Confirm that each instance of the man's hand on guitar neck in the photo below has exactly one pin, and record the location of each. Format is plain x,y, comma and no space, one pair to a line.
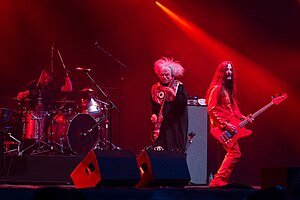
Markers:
249,118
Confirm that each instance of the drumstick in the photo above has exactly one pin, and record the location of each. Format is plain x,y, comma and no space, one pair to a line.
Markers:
37,84
62,63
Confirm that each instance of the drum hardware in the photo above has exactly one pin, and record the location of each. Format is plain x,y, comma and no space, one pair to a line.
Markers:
7,131
8,123
18,144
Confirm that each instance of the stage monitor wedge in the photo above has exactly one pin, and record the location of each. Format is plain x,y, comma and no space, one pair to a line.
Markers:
162,168
109,168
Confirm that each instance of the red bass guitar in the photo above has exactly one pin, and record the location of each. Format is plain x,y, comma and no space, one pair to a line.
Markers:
229,138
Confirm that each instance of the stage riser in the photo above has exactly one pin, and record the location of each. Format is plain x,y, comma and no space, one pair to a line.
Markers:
39,169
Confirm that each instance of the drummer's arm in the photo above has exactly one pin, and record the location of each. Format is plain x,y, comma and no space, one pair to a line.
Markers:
23,94
67,87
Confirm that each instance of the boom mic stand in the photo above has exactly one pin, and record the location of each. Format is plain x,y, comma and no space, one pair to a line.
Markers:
122,67
111,106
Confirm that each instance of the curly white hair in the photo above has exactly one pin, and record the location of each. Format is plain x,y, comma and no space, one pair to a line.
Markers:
175,67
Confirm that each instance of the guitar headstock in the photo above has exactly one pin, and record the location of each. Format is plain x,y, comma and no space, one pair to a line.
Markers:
279,98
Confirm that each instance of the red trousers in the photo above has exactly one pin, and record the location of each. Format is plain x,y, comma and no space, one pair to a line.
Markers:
229,162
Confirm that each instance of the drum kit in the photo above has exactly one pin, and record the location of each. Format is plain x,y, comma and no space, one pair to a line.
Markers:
72,127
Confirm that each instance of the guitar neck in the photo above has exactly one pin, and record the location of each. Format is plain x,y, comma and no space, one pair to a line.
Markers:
160,114
254,115
262,110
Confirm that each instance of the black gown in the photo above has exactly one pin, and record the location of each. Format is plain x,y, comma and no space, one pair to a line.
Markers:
174,127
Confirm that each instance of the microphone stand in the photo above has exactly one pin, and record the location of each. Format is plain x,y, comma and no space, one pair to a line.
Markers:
122,66
109,54
111,106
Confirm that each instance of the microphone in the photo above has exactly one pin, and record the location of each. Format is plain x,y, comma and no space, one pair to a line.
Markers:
83,69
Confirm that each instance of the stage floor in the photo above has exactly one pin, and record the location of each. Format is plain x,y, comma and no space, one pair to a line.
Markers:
65,192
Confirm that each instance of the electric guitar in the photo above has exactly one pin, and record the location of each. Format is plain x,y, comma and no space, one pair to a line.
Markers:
155,133
229,138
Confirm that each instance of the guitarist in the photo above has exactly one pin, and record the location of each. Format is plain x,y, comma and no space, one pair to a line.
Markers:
222,107
169,107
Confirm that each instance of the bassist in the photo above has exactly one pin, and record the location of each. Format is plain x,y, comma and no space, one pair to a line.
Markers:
222,108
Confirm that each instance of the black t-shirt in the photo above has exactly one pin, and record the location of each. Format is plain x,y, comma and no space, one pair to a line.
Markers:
47,95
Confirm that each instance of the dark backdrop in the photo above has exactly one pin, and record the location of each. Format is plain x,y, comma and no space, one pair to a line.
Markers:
264,34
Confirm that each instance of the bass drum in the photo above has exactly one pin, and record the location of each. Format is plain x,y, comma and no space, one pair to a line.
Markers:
75,133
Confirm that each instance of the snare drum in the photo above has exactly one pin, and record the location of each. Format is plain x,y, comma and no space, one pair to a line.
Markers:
77,132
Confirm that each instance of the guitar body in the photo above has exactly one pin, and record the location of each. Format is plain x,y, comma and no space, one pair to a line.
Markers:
228,139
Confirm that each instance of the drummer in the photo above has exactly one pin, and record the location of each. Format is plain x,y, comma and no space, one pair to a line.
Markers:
40,91
39,95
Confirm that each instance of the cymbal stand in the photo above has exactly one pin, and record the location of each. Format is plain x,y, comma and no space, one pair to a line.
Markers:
52,146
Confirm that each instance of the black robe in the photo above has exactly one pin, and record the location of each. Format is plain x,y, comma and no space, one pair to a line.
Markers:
174,127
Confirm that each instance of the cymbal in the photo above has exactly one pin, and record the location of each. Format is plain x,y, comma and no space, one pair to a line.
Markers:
22,99
16,99
65,101
87,90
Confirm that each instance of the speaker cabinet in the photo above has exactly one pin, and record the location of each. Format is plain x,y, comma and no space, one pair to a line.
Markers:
162,169
106,168
197,144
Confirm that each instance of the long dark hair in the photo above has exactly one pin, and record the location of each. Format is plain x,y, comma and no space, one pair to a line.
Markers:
219,78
